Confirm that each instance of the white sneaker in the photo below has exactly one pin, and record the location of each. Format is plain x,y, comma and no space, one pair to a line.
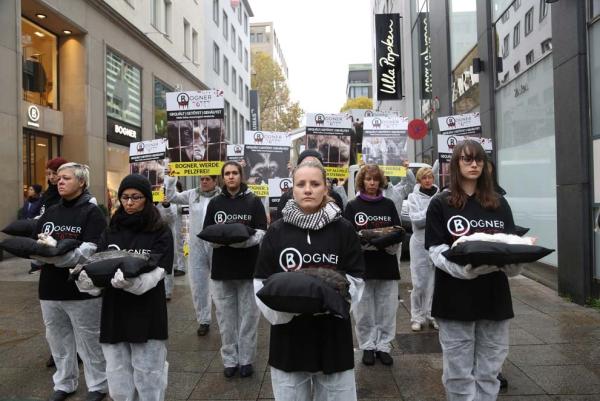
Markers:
416,326
433,324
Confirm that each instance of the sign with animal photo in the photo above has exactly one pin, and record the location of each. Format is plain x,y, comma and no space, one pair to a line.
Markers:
330,135
385,141
147,158
196,132
461,124
267,155
235,153
277,187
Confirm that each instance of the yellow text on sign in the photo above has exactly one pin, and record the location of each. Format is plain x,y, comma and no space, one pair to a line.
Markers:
180,169
259,190
158,195
394,171
337,172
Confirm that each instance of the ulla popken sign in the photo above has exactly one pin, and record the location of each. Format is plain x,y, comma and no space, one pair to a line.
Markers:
387,42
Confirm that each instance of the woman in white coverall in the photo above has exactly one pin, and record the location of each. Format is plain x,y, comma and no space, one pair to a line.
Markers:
200,251
421,268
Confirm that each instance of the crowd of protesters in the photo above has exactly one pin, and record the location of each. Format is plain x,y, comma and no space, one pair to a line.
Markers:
120,332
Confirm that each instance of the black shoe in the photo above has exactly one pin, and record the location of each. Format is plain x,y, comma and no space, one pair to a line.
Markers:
385,358
95,396
502,380
60,395
178,273
368,357
230,371
34,268
246,370
50,362
203,330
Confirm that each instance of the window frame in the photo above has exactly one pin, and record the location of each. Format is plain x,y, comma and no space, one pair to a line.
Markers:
528,18
216,13
225,28
225,70
216,58
516,34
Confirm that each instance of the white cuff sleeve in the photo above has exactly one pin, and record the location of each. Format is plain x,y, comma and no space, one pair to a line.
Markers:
274,317
145,282
453,269
357,286
512,270
256,239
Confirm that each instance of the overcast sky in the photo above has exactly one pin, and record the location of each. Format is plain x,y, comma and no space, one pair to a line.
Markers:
319,38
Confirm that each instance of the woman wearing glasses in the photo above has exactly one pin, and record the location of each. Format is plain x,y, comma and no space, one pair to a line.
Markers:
133,326
472,306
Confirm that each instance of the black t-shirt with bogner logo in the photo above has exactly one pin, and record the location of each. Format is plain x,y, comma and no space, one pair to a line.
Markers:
311,343
127,317
485,297
229,263
362,214
76,219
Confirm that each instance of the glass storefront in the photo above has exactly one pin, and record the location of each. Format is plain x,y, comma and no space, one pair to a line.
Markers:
40,54
160,108
117,168
123,90
525,137
38,148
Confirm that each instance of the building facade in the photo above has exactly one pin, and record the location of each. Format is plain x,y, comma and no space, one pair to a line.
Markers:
83,79
360,81
263,38
530,68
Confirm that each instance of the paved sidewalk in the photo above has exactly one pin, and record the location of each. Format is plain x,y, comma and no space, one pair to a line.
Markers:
554,354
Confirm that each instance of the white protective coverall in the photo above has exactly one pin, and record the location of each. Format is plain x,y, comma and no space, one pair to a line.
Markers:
169,215
199,259
421,268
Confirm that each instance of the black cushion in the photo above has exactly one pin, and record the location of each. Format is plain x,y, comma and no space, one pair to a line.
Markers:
102,266
21,228
521,231
226,234
382,237
26,247
477,253
295,292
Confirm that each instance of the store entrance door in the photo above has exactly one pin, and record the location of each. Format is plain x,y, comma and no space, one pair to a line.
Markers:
38,148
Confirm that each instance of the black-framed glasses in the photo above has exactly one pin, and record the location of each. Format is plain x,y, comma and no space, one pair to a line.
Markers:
469,159
133,198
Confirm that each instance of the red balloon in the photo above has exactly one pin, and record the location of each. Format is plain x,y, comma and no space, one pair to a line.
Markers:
417,129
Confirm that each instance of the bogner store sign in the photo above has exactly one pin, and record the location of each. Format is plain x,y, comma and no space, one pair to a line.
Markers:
122,133
389,66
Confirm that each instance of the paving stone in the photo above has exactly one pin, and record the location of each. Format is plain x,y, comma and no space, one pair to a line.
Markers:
518,382
216,386
569,379
545,354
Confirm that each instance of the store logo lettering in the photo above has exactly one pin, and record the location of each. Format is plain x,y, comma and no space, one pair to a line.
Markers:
125,131
49,228
221,217
183,100
361,218
290,259
459,226
135,251
285,184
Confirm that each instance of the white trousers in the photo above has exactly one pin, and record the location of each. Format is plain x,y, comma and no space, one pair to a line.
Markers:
307,386
169,283
422,275
237,315
71,327
375,315
137,371
473,354
199,277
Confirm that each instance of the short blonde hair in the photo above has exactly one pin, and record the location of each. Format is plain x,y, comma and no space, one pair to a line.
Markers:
80,171
423,172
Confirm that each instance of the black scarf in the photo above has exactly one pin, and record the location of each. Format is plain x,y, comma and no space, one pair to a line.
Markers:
122,220
429,192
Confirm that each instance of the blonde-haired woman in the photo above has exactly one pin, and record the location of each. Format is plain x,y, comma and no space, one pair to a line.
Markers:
421,267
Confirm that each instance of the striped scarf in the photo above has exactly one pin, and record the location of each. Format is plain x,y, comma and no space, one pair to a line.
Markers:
293,215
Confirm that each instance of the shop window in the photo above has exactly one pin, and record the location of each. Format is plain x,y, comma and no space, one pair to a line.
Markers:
529,58
123,90
160,108
38,148
529,22
40,74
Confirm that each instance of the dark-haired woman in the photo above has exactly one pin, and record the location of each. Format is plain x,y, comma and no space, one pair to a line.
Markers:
133,326
233,269
311,353
472,306
375,314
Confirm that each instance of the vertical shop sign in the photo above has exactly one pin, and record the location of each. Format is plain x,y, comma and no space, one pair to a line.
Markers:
425,56
389,62
254,111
